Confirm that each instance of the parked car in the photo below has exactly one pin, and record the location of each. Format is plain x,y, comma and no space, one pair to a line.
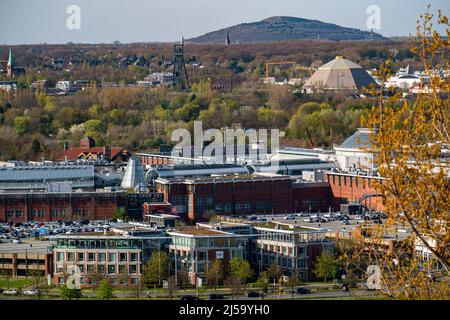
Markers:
31,292
215,296
11,292
189,297
253,294
303,291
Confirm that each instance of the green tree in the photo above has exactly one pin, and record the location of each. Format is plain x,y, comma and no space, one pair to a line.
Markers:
69,294
240,269
263,282
240,272
22,124
293,282
105,290
274,272
326,265
214,272
157,268
121,214
35,147
94,126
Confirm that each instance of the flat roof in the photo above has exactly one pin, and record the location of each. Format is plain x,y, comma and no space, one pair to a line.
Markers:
273,226
199,231
37,247
226,178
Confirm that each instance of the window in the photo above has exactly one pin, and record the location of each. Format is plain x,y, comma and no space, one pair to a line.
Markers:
123,257
122,269
101,268
112,257
102,256
133,269
134,281
91,256
60,256
80,256
71,256
301,263
90,268
111,269
134,256
201,255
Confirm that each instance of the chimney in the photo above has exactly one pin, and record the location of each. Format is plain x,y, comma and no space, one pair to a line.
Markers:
107,153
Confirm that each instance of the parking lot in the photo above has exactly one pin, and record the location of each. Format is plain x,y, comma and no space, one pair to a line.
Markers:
319,221
21,232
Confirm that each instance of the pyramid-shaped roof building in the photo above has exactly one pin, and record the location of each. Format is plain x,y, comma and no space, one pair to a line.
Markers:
340,74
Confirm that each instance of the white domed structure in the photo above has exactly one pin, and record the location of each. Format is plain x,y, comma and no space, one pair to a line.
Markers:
339,75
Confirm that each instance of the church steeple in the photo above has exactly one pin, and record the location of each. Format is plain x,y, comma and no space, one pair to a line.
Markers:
10,65
10,58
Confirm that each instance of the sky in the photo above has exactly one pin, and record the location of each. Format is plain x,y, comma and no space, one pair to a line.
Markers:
105,21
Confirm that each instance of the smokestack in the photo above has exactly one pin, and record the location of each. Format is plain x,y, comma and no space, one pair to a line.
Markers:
107,153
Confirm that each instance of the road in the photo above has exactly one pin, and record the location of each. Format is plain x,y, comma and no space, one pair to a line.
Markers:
327,294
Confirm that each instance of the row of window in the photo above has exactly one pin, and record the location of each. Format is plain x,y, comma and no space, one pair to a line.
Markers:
283,262
112,280
284,250
103,269
55,212
100,256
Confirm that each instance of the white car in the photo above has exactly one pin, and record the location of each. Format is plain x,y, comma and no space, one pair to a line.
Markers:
11,292
32,292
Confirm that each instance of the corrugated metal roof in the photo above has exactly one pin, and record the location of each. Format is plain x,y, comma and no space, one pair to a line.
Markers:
47,173
359,140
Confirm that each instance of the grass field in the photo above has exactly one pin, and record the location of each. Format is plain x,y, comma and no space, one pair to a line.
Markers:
15,283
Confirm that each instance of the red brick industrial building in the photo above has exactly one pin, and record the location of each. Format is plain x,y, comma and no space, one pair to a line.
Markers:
353,187
22,207
197,199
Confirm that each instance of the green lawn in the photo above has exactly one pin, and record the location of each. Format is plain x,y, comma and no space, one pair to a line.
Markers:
16,283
